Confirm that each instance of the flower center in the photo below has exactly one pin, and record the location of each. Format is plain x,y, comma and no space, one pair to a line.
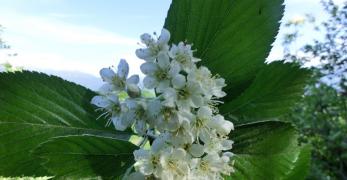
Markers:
118,82
161,74
179,131
174,167
199,123
183,93
171,164
182,58
167,113
155,49
116,109
139,112
204,166
155,160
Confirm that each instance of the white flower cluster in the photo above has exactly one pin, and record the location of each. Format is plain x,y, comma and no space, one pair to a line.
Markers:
189,139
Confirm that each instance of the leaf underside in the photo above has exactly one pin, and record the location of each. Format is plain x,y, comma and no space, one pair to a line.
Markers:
86,156
277,87
268,150
35,107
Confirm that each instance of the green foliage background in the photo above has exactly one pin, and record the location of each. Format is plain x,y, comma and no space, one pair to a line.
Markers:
321,116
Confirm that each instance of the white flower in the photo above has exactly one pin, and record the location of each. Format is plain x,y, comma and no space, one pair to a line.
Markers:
210,86
183,55
182,135
186,96
114,108
208,167
135,114
106,89
160,143
174,163
200,122
164,118
106,102
222,126
159,75
188,139
119,81
147,162
214,144
227,163
153,47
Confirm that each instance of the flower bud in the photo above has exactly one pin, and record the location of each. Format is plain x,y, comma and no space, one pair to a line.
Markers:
133,91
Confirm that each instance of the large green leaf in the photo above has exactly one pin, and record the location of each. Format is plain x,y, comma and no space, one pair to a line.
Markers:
302,165
267,150
86,156
274,91
35,107
232,37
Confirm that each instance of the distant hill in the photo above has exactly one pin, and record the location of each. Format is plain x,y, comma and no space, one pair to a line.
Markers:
84,79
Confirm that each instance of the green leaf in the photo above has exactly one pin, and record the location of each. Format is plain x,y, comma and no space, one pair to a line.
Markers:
86,156
232,37
35,107
267,150
274,91
302,164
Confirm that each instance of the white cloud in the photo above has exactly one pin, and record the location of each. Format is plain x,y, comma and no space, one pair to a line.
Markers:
39,61
57,30
42,61
23,32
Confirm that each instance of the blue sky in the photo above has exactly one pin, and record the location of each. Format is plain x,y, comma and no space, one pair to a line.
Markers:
75,35
84,36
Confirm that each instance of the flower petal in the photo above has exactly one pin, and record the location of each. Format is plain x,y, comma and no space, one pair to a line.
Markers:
197,100
179,81
105,89
227,144
163,60
141,154
170,97
123,69
179,153
100,101
113,98
117,122
163,85
146,38
140,127
174,69
134,79
144,54
107,74
131,104
221,125
154,108
149,68
205,111
164,37
197,150
159,143
149,82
